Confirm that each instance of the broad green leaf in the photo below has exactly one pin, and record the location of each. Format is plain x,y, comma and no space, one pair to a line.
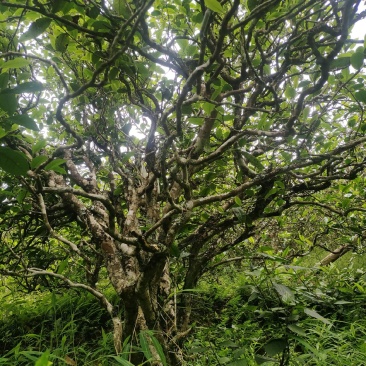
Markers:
296,329
4,79
43,360
271,192
275,346
286,294
357,60
25,121
38,160
13,162
361,95
55,166
197,349
36,29
304,83
198,121
63,264
237,200
290,92
126,156
251,4
239,213
214,5
121,8
340,63
16,63
8,102
253,160
208,107
316,315
305,112
62,41
228,343
21,195
40,144
28,87
59,5
351,122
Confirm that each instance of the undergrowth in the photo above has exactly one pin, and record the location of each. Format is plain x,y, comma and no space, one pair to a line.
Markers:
281,315
268,314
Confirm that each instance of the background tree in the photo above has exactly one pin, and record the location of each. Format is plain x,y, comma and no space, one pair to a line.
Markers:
142,141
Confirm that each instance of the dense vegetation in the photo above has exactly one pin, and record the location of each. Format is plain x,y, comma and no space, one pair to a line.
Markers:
182,182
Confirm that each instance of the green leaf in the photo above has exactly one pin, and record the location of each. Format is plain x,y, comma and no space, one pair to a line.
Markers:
305,112
126,156
38,160
316,315
253,160
237,200
59,5
28,87
357,60
144,344
275,346
240,362
4,79
43,360
13,162
25,121
296,329
174,250
121,8
36,29
159,349
251,4
340,63
214,5
61,267
290,92
271,192
307,345
228,343
208,107
259,359
122,361
16,63
21,195
361,96
40,144
55,166
8,102
342,302
62,41
198,121
239,214
286,294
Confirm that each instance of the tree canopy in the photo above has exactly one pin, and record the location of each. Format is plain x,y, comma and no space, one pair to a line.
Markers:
144,142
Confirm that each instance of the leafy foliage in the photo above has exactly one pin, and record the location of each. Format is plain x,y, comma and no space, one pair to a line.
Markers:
255,324
146,143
